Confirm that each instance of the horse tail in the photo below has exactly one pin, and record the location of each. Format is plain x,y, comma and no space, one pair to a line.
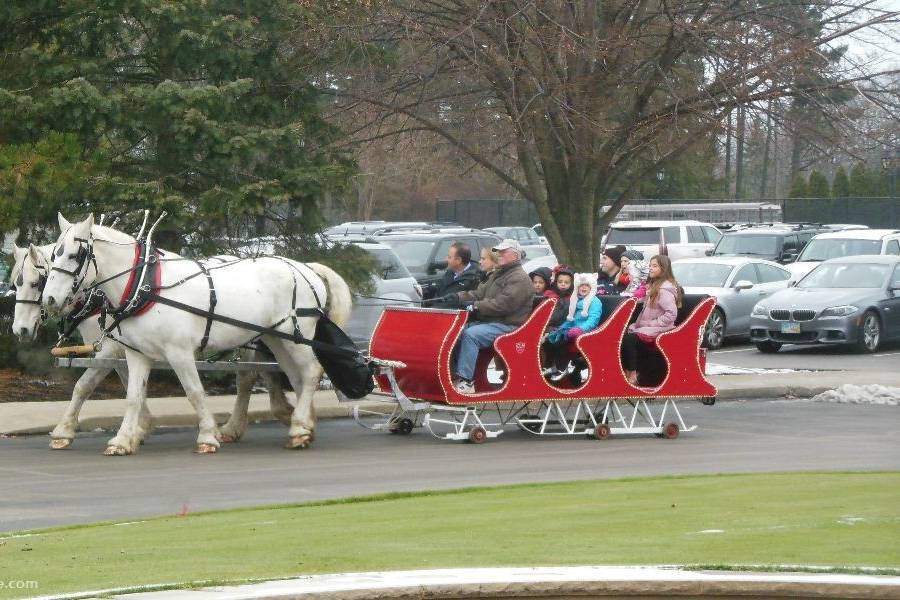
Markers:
340,300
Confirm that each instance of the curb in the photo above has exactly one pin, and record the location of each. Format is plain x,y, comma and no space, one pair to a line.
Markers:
543,582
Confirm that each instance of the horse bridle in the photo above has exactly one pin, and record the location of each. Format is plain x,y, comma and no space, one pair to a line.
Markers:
84,255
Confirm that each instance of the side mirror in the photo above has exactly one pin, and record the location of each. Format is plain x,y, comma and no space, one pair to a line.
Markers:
789,256
743,284
709,252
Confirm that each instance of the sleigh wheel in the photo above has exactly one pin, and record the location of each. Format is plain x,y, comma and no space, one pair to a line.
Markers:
477,435
601,431
402,426
670,431
530,422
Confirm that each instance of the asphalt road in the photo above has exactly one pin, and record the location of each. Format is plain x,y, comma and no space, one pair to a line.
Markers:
741,353
43,488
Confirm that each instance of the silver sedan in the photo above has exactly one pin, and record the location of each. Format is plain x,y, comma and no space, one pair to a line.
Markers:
737,283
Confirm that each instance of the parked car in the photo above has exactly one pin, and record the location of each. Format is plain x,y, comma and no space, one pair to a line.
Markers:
424,253
844,226
845,243
853,300
356,228
524,235
779,243
537,251
394,285
548,261
678,239
540,231
737,283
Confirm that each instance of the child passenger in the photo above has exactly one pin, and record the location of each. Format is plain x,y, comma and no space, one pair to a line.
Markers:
584,313
658,316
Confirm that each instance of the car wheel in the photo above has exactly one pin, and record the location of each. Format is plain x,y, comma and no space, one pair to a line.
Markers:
714,332
768,347
868,336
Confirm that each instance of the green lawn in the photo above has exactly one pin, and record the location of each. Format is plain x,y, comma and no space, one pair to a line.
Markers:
816,519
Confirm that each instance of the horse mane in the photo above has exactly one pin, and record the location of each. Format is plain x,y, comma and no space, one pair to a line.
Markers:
112,235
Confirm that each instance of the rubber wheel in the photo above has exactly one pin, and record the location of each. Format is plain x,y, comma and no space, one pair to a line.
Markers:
534,427
714,331
768,347
402,426
670,431
477,435
868,336
601,431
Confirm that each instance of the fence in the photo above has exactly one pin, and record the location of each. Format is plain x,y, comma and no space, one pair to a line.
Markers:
874,212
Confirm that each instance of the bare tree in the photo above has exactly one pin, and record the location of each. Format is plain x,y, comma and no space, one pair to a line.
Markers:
586,98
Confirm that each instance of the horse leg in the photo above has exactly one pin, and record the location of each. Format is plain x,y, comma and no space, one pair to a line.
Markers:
64,432
183,365
128,437
234,429
278,402
304,371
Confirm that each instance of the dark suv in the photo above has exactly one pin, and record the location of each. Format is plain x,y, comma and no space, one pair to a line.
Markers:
425,253
780,243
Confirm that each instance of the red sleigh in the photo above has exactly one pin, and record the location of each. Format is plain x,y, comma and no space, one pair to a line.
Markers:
416,346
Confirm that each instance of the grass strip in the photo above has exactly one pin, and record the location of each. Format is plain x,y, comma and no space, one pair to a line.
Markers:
843,521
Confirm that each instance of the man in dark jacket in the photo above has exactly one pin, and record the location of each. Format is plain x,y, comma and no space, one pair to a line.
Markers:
500,304
461,275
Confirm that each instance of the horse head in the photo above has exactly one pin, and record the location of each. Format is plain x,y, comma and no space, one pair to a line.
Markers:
29,275
72,255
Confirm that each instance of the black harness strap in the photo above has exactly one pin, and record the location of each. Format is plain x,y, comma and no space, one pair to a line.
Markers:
297,338
212,305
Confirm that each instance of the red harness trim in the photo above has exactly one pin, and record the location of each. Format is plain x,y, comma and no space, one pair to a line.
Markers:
157,282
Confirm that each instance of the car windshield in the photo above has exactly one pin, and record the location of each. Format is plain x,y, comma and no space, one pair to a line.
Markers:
700,274
632,236
845,275
759,245
391,268
412,253
823,249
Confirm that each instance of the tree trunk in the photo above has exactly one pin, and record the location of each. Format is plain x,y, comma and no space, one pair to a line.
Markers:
764,179
739,153
728,154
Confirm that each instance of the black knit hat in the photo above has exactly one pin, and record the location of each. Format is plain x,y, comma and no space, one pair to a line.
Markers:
615,254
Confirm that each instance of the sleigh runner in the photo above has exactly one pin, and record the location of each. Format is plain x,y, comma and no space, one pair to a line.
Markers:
419,388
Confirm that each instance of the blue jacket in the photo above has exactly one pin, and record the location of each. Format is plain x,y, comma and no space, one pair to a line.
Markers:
585,323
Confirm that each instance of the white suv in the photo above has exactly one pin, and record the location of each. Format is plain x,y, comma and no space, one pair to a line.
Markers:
678,239
844,243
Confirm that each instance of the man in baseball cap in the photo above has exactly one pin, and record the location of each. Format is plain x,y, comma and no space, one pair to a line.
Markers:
499,305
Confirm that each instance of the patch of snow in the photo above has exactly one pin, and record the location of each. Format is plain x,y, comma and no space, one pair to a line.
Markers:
850,520
861,394
712,531
717,369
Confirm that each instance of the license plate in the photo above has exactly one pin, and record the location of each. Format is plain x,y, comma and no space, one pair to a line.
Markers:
790,328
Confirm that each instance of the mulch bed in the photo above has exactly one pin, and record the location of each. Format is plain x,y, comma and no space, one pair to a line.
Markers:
17,386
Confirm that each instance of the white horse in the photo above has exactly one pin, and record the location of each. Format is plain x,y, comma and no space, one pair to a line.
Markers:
30,266
264,292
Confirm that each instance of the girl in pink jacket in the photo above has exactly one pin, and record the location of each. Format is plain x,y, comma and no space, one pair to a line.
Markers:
660,310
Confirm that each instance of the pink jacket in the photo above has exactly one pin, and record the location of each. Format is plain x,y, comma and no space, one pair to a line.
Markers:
659,317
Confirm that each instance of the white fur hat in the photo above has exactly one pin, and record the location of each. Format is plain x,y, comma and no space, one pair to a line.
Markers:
582,279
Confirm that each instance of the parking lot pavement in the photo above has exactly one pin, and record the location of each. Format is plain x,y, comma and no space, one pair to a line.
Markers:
826,358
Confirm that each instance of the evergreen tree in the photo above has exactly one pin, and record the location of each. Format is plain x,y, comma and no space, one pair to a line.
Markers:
798,187
818,186
193,108
840,185
861,182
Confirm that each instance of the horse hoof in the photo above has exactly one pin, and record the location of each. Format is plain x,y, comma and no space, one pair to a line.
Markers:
60,443
205,449
228,439
299,442
116,451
